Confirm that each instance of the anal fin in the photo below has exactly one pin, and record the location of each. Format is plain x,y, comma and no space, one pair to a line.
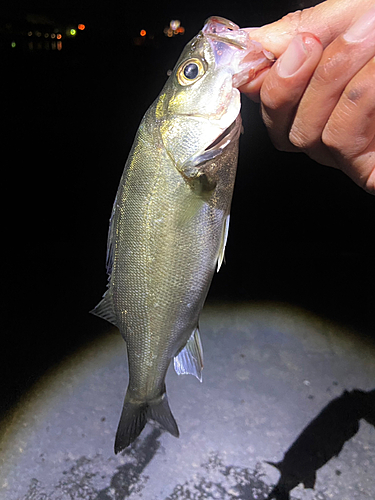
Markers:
190,359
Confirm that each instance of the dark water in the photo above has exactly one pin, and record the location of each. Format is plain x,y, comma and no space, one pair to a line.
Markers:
300,232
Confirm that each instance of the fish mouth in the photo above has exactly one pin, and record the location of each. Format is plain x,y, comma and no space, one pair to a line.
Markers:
222,30
233,49
215,148
227,136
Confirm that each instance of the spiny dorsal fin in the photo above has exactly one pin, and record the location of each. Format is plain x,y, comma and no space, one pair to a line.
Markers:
105,309
223,243
190,359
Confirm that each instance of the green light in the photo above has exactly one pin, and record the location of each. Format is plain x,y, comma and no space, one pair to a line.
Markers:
13,44
73,32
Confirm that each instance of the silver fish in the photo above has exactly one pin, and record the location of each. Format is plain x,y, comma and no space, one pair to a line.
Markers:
170,218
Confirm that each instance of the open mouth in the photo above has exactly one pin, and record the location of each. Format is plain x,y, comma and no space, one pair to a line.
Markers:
222,30
233,48
225,137
216,147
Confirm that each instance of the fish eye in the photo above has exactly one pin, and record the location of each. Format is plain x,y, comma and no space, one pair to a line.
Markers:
190,71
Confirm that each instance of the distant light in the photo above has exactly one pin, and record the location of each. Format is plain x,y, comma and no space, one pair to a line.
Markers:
59,36
30,33
81,27
168,32
174,28
46,35
142,32
174,24
73,32
13,44
53,35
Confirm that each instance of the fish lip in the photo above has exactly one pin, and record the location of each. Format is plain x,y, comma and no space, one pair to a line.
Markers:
228,41
234,50
224,35
222,20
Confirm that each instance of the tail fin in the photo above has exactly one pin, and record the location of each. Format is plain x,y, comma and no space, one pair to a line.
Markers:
135,416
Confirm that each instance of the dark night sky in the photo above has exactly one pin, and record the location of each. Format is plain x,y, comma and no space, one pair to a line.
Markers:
300,232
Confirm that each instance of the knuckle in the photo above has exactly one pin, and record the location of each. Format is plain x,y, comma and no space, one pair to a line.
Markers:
370,182
331,139
274,94
298,138
282,145
301,21
268,100
330,68
293,20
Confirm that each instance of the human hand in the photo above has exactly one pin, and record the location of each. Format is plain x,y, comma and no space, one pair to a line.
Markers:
319,96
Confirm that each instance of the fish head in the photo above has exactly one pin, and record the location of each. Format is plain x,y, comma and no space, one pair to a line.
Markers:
201,100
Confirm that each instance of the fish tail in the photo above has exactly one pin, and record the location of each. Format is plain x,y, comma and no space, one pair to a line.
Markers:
161,413
134,417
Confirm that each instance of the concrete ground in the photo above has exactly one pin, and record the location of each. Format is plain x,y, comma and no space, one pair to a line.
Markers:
270,372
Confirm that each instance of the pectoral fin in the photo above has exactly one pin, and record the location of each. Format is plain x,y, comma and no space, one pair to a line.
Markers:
200,174
190,359
223,243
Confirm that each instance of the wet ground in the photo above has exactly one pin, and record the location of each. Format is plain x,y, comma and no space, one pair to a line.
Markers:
271,371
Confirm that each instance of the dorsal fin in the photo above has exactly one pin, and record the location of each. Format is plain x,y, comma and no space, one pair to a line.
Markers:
190,359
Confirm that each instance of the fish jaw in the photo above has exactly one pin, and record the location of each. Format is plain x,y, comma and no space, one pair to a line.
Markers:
233,48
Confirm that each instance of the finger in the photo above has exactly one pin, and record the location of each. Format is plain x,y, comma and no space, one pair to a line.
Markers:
285,84
252,88
354,146
339,64
326,20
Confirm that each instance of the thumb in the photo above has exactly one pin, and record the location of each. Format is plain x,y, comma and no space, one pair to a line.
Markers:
326,21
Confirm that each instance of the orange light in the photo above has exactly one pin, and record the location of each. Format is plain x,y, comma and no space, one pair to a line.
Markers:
81,27
59,36
142,32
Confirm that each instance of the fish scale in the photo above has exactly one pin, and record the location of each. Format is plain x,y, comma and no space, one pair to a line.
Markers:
170,219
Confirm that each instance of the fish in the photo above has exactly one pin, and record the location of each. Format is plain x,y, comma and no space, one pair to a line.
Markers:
170,218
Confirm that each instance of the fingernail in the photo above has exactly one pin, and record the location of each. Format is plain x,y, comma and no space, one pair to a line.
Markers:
293,58
362,27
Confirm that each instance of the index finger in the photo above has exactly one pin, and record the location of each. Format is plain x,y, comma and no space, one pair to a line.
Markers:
326,21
